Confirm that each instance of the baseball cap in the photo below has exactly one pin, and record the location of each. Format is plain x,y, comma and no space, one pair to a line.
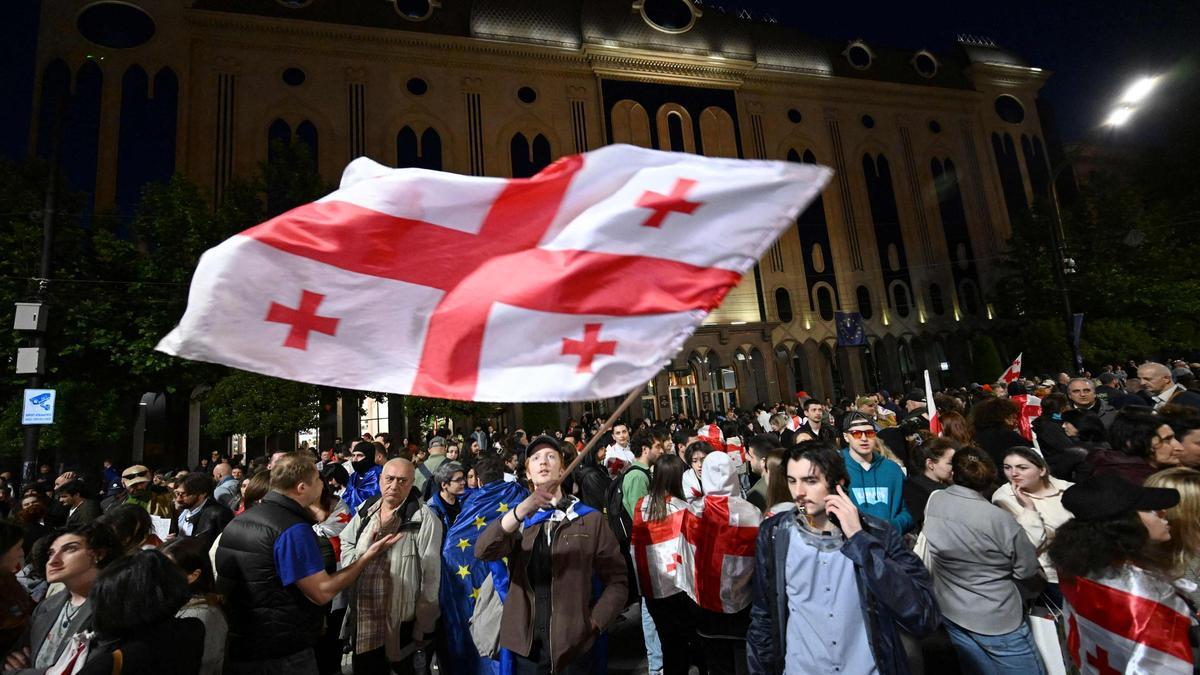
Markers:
436,442
543,441
1103,497
135,475
915,395
856,419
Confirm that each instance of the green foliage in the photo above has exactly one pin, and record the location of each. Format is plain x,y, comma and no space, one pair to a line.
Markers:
541,417
986,362
257,405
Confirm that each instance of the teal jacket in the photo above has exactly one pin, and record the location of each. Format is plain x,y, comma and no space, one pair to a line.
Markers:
879,490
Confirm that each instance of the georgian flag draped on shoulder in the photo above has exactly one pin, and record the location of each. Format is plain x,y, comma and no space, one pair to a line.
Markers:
1127,622
576,284
705,550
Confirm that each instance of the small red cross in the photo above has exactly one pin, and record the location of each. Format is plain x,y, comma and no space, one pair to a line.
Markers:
715,538
589,347
665,204
303,319
676,561
1100,662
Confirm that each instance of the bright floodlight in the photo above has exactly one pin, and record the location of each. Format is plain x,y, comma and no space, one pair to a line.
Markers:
1119,116
1139,90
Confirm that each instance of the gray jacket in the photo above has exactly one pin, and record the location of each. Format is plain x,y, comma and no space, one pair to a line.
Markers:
979,552
44,616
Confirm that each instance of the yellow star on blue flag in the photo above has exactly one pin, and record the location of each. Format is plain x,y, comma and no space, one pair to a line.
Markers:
463,544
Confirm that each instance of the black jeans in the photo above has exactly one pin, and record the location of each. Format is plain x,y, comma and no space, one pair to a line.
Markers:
375,662
538,662
675,618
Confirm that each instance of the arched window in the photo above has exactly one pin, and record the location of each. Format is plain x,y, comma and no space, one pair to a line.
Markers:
716,133
427,154
783,305
900,299
675,132
630,123
968,296
279,135
936,302
864,302
529,158
825,303
757,368
798,366
907,369
306,133
722,380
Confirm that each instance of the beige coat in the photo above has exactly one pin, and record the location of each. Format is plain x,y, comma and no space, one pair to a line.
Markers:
1041,523
415,565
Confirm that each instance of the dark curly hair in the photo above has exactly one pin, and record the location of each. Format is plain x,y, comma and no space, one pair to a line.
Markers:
1134,430
1083,547
993,413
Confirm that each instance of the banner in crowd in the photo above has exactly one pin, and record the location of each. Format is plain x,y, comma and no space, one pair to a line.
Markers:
850,331
575,284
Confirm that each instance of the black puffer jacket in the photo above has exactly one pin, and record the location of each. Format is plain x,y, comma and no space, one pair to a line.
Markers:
266,619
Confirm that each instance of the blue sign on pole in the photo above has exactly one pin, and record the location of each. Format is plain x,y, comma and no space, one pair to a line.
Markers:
39,407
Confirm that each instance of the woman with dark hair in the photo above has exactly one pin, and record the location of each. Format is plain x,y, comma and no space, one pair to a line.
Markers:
693,459
191,556
673,611
977,554
995,422
134,603
1034,497
1141,443
592,479
956,428
131,523
255,489
15,604
928,472
1113,572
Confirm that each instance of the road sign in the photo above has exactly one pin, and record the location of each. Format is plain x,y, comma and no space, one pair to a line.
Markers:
39,406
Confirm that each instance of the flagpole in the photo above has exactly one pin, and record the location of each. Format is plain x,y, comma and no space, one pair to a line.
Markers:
612,419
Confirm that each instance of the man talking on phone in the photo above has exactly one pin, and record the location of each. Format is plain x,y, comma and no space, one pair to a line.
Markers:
833,586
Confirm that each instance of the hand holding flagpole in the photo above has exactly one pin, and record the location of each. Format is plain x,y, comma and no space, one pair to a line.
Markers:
608,424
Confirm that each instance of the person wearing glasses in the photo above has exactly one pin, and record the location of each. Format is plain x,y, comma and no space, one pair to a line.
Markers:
200,515
139,491
393,607
876,480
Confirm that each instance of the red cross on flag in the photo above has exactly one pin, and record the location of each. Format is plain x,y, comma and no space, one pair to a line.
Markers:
1013,371
705,548
1127,622
576,284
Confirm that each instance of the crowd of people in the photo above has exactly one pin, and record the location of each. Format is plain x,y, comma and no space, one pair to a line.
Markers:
806,536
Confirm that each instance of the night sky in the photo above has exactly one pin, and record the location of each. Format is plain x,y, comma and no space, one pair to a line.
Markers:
1094,49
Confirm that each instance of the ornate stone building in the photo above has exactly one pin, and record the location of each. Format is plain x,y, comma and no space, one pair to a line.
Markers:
933,150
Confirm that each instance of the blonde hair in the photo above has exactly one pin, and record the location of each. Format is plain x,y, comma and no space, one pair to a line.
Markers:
883,449
1183,517
291,470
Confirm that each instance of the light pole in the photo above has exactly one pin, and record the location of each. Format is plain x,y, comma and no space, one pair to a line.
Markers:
1064,265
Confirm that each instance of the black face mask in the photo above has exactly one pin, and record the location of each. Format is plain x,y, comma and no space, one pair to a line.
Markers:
363,465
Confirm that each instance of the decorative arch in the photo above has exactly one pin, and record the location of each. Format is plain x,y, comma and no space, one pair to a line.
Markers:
630,123
717,134
824,301
681,138
529,155
420,121
423,151
900,298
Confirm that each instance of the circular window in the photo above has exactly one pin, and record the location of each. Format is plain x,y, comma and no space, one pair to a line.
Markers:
925,64
1010,109
935,127
416,86
794,116
293,77
818,258
116,25
668,16
527,94
859,55
415,10
868,121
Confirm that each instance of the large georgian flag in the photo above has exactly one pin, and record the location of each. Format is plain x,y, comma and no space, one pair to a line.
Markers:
1013,371
576,284
1127,622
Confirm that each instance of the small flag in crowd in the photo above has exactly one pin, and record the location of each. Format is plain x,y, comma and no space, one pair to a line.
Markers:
1013,371
575,284
935,424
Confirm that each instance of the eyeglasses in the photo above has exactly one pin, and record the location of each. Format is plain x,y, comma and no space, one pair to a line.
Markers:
180,493
862,433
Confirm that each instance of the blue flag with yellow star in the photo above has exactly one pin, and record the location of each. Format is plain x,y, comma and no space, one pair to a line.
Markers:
463,574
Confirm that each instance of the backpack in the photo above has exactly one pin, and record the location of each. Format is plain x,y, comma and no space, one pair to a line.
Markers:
619,520
427,486
485,620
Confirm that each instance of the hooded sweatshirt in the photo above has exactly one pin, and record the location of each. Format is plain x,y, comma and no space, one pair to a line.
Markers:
879,490
720,511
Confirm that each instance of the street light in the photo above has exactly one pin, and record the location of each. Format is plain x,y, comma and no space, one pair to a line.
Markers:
1064,265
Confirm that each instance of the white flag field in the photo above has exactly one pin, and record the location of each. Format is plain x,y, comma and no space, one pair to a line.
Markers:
576,284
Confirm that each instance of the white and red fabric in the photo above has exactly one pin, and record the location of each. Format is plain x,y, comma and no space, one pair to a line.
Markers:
576,284
1127,622
707,550
1013,372
1031,409
935,423
711,434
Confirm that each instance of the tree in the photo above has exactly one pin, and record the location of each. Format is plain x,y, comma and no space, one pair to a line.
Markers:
256,405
